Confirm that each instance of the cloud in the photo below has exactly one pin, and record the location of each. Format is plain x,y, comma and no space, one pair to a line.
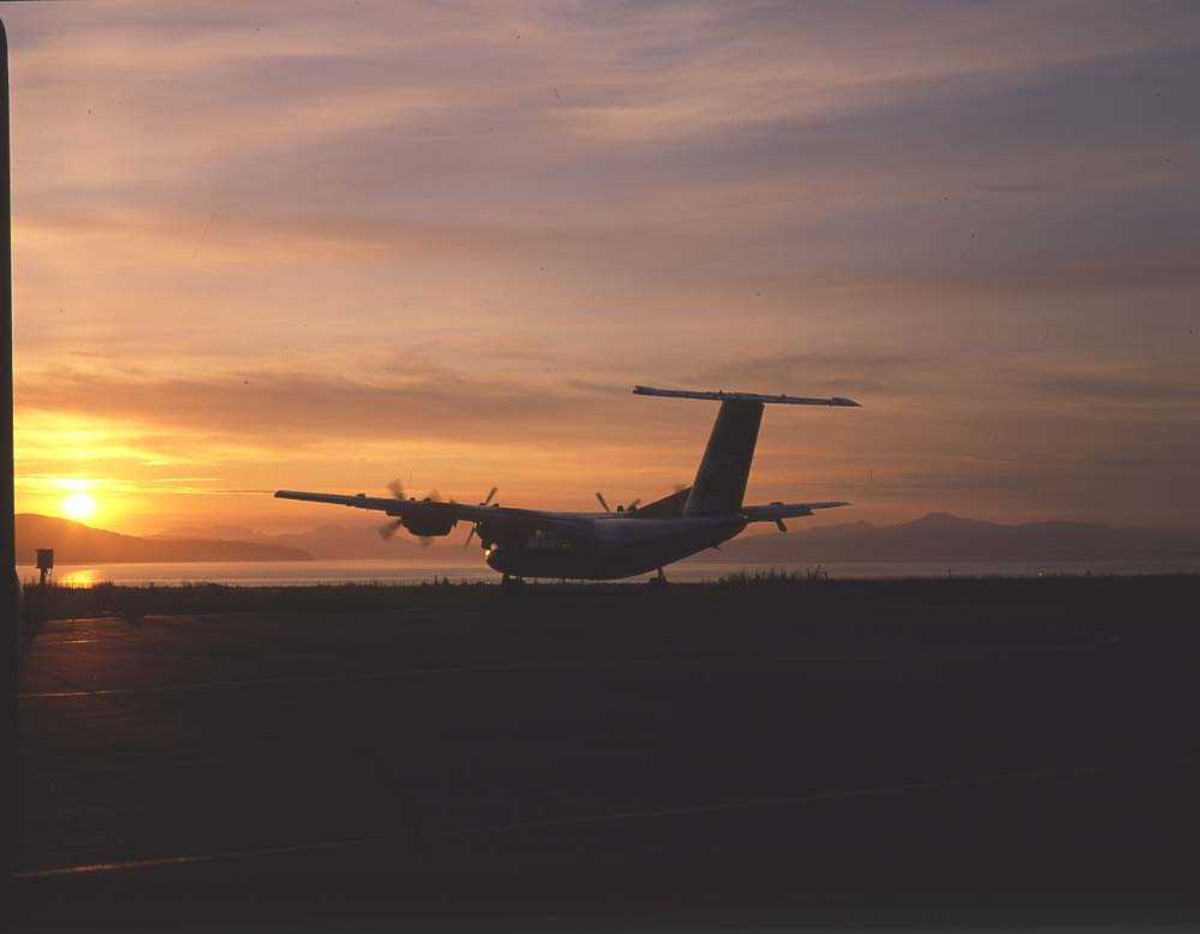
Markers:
299,409
249,235
1123,389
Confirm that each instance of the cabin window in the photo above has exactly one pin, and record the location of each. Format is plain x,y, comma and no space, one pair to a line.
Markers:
548,540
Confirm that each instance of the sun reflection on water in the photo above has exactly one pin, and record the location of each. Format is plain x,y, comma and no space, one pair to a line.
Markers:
81,577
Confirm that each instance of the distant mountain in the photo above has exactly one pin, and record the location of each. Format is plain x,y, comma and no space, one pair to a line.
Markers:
358,539
225,533
936,537
353,540
75,543
940,536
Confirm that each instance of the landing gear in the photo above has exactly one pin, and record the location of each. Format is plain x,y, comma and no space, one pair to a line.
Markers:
659,580
508,582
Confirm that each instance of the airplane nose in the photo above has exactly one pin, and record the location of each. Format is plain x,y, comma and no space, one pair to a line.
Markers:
496,558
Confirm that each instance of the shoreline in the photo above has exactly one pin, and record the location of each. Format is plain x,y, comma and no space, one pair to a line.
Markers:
773,591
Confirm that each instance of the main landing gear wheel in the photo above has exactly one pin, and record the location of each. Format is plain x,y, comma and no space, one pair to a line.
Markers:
508,582
659,580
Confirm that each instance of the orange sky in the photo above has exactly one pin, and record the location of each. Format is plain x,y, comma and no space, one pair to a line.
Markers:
320,246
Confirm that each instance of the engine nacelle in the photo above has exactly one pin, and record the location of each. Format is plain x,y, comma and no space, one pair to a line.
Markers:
429,526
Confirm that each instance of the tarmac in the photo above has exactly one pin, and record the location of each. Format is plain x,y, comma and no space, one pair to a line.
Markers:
615,751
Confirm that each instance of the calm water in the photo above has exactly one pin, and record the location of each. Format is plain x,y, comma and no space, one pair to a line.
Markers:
298,573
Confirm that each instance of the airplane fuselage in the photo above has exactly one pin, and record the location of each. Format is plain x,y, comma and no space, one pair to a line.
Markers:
522,543
608,547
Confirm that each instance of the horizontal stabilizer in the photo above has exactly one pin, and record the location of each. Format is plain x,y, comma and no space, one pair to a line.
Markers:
722,396
773,512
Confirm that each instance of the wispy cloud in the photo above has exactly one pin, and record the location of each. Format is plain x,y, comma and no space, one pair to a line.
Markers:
249,235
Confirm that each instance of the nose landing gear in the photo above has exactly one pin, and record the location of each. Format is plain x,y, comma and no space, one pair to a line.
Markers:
659,580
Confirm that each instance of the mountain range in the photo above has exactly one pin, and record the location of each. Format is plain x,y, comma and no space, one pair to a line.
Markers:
76,543
940,536
356,538
935,537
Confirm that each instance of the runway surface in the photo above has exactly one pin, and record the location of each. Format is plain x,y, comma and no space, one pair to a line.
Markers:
569,749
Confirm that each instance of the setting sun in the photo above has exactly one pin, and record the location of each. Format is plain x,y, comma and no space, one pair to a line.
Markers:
79,506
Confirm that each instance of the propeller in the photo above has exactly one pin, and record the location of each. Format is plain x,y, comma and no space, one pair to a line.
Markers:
475,525
630,508
433,496
388,530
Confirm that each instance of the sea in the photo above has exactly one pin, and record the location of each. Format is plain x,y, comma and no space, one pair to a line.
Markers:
307,573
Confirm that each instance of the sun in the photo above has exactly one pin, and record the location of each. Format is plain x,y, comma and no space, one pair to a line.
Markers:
79,506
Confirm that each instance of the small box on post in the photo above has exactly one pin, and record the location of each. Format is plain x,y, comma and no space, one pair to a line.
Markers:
45,564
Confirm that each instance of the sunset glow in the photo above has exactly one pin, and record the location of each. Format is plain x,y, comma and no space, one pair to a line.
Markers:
321,247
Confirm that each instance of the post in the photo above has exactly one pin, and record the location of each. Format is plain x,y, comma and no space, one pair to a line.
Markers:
9,586
45,564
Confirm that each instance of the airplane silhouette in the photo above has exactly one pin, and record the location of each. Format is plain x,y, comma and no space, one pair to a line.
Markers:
522,543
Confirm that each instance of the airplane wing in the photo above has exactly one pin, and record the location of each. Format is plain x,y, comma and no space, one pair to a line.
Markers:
773,512
495,516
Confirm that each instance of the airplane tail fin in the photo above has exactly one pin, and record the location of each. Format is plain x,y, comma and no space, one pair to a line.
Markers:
720,484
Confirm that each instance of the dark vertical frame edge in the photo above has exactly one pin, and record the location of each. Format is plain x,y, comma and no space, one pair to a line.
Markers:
9,586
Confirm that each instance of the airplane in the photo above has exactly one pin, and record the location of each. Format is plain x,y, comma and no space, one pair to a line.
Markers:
533,543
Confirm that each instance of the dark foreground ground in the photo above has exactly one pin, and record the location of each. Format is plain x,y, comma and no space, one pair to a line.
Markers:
926,752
